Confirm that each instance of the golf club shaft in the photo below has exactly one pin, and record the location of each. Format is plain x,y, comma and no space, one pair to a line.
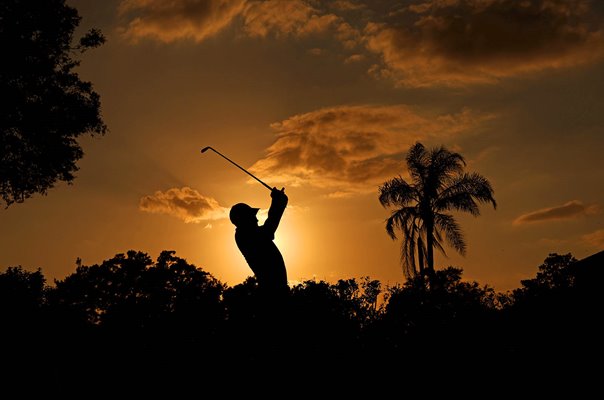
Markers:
238,166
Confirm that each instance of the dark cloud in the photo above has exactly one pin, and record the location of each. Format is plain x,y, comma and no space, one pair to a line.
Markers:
572,209
421,43
184,203
457,42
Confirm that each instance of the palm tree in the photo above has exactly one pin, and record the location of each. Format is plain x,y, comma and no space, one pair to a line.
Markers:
438,185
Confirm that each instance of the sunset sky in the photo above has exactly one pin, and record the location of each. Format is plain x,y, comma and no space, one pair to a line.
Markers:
325,98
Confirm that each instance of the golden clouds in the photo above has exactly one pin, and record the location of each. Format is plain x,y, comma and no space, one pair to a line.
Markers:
184,203
353,148
293,17
426,43
459,42
571,210
168,21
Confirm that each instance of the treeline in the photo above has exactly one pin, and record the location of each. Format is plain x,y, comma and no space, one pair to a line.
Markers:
134,321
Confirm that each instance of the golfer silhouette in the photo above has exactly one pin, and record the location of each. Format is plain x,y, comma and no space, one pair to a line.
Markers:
257,246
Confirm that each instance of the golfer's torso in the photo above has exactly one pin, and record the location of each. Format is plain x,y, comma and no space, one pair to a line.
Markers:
260,252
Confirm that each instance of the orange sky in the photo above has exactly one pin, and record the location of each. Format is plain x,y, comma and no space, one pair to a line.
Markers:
324,98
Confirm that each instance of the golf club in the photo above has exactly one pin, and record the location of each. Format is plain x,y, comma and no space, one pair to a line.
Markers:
235,164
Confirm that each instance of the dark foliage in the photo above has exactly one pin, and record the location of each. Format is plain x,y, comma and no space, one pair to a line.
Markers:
557,316
131,322
44,105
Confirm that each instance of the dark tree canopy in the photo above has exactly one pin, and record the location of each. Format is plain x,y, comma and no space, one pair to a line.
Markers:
131,291
137,324
44,105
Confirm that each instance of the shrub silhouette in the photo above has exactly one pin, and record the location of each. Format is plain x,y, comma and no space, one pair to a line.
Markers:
131,322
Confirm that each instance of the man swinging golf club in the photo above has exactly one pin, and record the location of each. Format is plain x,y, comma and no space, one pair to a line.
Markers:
256,241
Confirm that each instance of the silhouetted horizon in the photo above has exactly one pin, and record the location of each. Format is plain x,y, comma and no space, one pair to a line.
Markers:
131,319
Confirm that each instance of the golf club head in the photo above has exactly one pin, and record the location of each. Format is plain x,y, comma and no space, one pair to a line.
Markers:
205,149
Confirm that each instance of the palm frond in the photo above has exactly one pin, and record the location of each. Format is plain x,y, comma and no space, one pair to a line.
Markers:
406,221
399,220
465,192
417,162
443,165
452,231
408,256
396,192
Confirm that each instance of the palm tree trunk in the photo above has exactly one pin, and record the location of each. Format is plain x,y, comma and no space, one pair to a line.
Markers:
430,249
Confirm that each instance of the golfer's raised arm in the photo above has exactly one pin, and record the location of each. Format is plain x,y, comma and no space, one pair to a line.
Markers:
275,212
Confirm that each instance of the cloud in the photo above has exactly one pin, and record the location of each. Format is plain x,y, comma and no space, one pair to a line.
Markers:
344,5
184,203
425,43
316,51
352,149
571,210
460,42
168,21
293,17
595,239
354,58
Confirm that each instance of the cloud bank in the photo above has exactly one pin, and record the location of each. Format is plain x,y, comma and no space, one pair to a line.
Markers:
168,21
415,44
353,148
459,42
183,203
571,210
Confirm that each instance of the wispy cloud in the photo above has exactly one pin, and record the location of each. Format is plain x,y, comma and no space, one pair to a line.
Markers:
595,239
354,58
353,148
282,18
168,21
184,203
571,210
460,42
345,5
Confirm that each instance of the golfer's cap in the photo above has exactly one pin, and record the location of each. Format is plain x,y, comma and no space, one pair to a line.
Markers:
240,212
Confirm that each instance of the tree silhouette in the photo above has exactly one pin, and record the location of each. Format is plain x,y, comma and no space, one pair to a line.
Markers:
44,105
131,291
556,317
22,318
21,295
438,184
555,273
145,325
450,325
131,319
